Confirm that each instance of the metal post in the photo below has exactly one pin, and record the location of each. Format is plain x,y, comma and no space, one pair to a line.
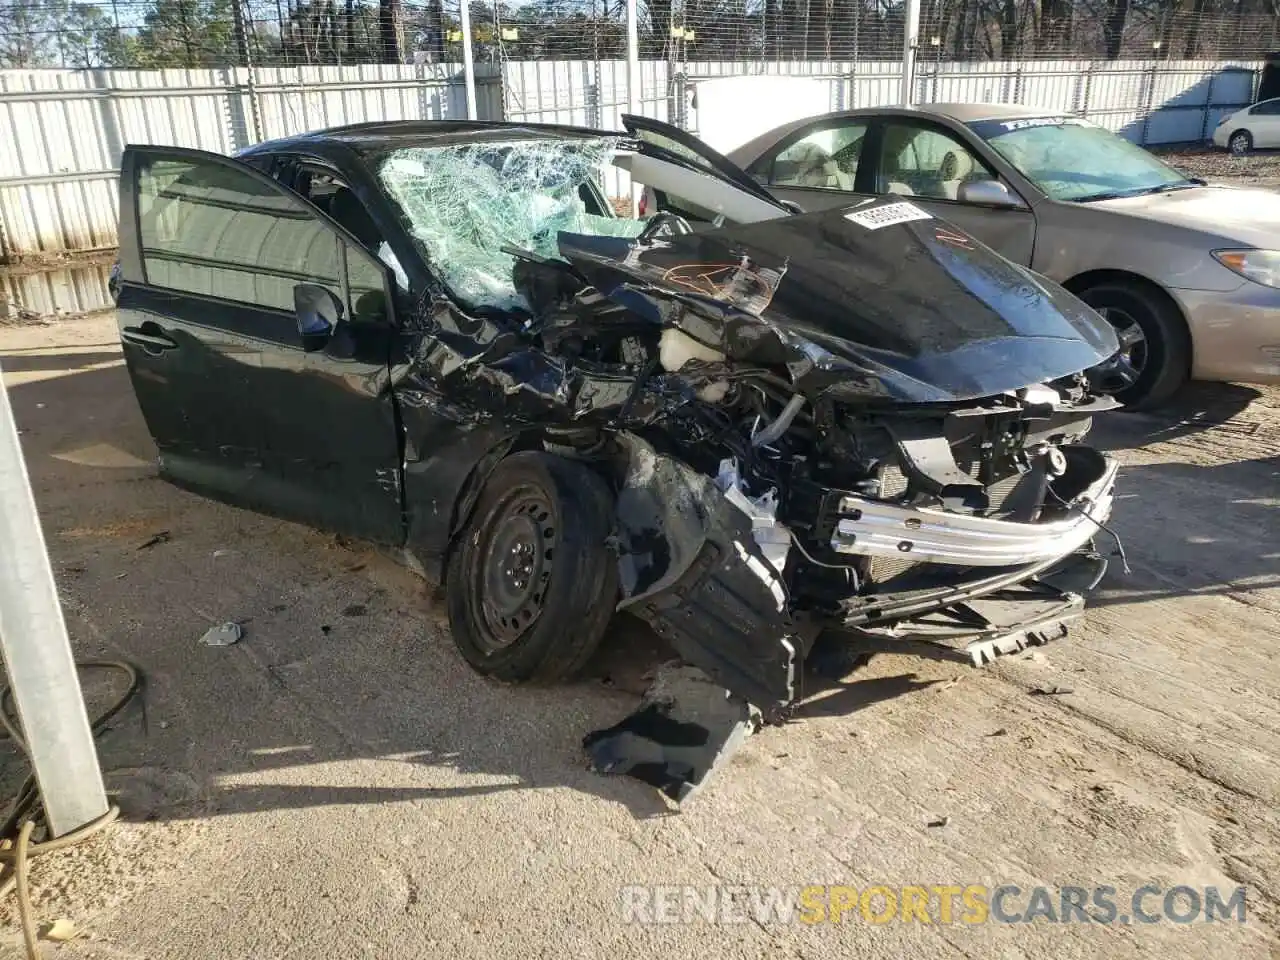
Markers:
633,58
37,653
246,60
1149,103
468,63
634,92
1208,108
910,34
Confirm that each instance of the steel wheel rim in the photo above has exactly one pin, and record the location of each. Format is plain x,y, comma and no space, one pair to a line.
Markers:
1133,342
515,568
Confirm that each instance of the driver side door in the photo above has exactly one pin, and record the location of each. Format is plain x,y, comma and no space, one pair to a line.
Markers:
253,393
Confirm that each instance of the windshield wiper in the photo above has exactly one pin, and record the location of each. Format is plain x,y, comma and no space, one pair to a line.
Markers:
1170,187
1138,191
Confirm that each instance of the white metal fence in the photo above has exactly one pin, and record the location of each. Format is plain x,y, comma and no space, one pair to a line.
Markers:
62,131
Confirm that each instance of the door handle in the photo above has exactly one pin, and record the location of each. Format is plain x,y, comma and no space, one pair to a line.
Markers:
152,343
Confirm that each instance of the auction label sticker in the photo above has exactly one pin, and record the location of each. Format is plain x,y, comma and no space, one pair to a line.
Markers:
887,215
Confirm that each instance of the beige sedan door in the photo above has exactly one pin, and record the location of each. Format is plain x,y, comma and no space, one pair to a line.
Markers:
939,172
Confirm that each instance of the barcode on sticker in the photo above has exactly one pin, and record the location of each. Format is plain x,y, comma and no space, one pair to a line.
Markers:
887,216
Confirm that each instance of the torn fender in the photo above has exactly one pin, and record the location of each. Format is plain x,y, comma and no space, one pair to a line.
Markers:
691,569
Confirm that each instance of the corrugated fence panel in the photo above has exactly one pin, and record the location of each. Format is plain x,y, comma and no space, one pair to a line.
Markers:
296,99
972,83
50,293
876,84
57,175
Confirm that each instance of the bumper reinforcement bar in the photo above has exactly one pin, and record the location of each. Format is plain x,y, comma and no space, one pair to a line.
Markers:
875,528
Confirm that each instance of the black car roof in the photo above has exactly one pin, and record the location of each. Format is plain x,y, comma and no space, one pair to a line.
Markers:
380,136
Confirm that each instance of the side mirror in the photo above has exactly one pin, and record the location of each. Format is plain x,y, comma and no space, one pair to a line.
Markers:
793,207
318,311
987,193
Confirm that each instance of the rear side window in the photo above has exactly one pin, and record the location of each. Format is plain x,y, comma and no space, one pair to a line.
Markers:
213,230
825,159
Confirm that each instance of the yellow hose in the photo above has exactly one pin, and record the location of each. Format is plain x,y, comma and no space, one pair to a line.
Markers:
17,852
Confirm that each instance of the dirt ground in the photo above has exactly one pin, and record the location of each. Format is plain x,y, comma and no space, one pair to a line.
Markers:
341,784
1259,169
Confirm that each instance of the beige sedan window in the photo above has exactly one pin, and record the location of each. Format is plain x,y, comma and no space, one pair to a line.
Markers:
920,161
825,159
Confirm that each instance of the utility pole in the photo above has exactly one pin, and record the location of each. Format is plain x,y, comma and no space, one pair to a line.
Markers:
910,34
468,61
633,80
37,653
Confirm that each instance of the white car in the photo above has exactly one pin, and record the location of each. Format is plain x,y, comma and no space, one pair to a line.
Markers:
1255,126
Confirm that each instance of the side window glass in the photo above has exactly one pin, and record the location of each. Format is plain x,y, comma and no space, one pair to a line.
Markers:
367,287
1268,108
826,159
922,162
269,163
339,201
210,229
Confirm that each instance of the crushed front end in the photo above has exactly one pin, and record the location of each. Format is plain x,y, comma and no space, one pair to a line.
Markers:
859,421
850,455
970,525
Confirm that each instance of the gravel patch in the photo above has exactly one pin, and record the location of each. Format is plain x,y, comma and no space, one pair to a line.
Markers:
1261,169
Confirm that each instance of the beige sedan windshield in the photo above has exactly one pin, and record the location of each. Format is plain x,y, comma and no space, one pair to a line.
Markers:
1073,160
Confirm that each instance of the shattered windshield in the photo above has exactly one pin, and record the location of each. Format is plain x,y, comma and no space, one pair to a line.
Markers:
463,203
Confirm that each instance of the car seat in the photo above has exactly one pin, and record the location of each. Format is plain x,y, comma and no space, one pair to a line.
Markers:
891,178
807,165
957,168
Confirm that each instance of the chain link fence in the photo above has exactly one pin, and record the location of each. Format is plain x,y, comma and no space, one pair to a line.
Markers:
155,34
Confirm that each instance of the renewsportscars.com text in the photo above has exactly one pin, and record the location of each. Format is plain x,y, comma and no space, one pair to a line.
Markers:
936,903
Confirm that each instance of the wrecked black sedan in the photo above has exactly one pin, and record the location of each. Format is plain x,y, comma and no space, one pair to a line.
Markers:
743,424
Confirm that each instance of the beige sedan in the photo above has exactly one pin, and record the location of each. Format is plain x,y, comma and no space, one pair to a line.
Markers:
1188,273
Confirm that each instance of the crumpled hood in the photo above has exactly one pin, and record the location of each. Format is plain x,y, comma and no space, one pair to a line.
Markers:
909,311
1238,214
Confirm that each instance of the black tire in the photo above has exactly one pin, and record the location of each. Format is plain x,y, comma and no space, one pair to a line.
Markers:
1166,361
534,614
1240,142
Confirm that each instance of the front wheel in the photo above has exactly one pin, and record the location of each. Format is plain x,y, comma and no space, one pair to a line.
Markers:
1240,142
531,583
1152,336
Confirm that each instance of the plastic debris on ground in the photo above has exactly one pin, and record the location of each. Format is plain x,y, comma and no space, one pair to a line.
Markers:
223,635
686,726
60,931
162,537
